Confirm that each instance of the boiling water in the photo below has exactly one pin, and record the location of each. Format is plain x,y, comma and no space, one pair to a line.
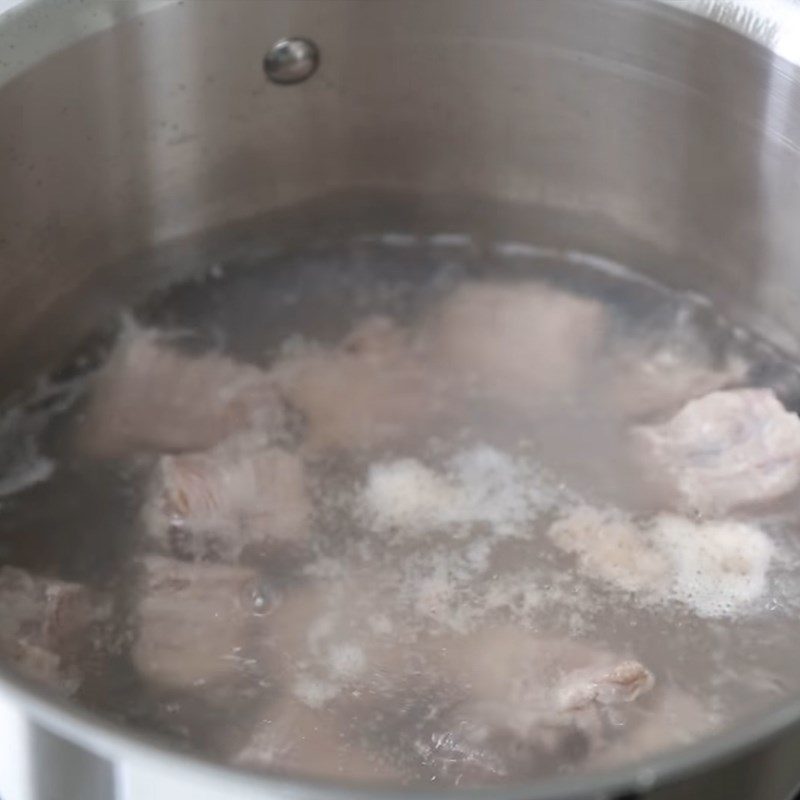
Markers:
403,592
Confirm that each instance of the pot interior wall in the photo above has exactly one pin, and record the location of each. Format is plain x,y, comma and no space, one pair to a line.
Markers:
630,130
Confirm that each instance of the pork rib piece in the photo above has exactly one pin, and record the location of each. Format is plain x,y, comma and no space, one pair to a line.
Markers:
536,675
372,389
661,380
529,700
213,504
727,450
42,625
192,621
666,362
674,718
516,341
150,397
620,682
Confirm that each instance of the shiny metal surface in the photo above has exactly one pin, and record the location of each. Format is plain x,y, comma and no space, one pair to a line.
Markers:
631,116
292,60
644,132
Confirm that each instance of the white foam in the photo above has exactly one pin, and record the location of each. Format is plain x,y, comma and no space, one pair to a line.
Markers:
314,692
719,567
610,547
380,624
716,569
347,660
500,490
479,485
478,554
406,494
519,593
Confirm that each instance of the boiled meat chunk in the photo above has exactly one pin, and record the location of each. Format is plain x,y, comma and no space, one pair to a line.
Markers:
150,397
516,341
213,504
727,450
537,677
295,739
664,378
192,621
674,718
371,390
668,361
611,548
42,624
604,685
532,699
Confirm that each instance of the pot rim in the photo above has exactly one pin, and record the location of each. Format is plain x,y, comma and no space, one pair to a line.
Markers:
119,744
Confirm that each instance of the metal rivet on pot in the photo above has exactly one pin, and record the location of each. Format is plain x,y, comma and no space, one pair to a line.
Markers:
291,60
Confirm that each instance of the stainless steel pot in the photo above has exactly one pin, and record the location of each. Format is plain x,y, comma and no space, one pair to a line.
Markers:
139,140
